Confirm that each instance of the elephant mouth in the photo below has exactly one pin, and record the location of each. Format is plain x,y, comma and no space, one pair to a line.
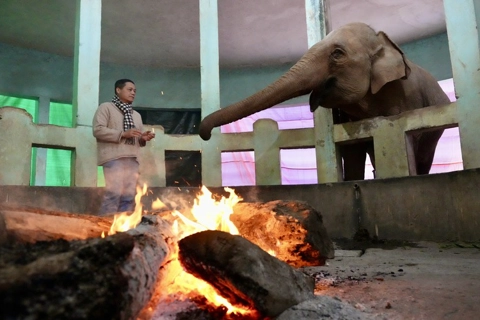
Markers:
319,96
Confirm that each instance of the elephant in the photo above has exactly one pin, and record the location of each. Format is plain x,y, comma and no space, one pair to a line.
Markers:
360,74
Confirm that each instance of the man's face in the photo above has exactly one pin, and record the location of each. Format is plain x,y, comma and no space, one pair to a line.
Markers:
127,93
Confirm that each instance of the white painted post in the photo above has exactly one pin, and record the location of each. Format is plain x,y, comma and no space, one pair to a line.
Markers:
86,82
462,19
318,26
210,89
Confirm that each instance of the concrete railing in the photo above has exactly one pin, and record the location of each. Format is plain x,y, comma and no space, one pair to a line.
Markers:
18,134
388,133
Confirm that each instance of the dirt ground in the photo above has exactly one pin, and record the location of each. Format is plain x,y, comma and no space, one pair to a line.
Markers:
412,281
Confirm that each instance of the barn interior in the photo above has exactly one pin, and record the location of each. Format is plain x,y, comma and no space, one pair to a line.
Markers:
59,60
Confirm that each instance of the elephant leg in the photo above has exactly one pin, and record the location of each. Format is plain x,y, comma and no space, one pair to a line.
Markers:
425,150
354,156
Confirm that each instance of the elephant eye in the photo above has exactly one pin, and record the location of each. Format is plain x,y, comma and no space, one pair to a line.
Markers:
337,53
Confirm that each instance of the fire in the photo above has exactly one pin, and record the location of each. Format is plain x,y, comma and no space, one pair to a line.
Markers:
123,221
158,204
208,214
185,284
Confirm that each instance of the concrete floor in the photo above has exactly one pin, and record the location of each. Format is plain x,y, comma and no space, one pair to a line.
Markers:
423,281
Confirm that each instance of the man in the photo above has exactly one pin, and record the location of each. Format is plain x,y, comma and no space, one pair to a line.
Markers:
119,133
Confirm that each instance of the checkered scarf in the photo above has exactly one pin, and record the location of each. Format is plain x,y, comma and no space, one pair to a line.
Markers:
127,111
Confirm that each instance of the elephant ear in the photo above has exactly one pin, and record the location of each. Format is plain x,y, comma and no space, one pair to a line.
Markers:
388,63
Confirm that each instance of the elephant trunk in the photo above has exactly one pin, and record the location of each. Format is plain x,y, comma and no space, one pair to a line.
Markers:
288,86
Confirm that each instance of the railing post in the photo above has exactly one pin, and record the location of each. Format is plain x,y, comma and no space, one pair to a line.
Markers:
267,153
391,152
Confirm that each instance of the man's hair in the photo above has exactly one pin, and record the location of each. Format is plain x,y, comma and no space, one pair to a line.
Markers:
121,83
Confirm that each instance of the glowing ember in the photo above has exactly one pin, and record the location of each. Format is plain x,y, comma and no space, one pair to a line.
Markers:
185,285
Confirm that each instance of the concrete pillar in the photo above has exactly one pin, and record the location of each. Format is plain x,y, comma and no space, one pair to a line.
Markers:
43,110
210,89
318,25
462,19
86,84
41,156
86,75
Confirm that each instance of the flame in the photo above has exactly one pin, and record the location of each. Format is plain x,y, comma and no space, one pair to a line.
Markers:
123,221
208,214
184,284
215,215
158,204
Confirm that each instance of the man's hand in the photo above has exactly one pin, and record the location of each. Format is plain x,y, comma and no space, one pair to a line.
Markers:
148,135
132,133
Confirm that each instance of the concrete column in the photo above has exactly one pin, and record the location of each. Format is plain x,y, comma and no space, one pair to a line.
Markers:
318,25
86,80
210,89
41,160
86,83
43,110
462,19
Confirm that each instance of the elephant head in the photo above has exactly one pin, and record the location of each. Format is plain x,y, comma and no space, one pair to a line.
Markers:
338,72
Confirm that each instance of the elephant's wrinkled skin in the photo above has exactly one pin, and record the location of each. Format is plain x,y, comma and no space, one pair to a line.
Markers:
363,74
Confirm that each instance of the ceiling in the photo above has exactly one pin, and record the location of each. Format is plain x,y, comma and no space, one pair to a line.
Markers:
165,33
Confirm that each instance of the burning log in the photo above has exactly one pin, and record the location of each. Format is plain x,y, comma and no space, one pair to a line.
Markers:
109,278
126,275
293,230
29,225
243,273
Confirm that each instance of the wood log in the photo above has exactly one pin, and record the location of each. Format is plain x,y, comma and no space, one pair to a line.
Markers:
243,273
31,225
96,278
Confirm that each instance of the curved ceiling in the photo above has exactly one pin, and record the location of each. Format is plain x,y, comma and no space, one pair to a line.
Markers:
165,33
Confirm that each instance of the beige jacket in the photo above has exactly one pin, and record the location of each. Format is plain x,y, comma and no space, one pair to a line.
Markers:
108,128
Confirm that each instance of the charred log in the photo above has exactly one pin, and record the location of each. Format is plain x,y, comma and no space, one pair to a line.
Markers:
96,278
243,273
